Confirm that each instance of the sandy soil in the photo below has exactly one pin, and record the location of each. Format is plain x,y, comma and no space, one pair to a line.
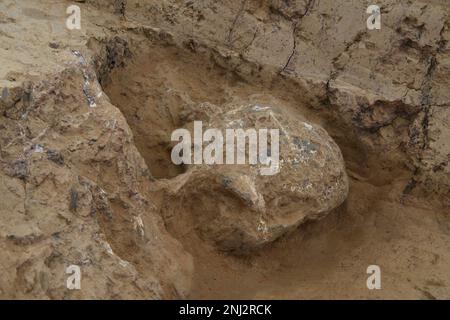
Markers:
378,224
88,185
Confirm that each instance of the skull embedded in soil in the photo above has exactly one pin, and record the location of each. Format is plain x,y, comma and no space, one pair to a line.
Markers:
238,208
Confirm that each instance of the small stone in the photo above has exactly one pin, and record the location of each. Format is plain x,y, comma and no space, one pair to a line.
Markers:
55,156
73,200
53,45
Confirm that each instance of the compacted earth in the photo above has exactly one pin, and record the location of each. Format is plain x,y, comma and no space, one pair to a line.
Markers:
87,179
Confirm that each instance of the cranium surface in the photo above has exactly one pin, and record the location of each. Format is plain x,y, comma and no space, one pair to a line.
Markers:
238,207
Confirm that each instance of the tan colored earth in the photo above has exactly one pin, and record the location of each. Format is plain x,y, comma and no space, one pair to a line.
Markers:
86,177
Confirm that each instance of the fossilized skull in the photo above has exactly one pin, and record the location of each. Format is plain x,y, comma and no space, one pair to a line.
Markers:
236,206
